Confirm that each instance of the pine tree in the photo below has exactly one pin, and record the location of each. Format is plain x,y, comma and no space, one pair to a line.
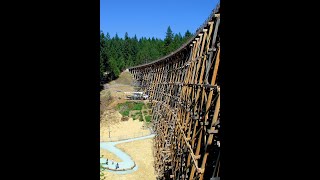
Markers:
187,36
127,50
103,57
135,49
177,41
167,41
116,53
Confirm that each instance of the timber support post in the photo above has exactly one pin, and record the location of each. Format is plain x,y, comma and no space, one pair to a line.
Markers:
184,89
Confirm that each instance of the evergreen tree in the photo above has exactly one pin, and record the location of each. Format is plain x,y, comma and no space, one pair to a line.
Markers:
167,41
117,54
187,35
177,41
103,58
135,49
127,51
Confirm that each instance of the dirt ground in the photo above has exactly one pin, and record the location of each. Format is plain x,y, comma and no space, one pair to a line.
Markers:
141,152
111,119
123,129
121,85
115,91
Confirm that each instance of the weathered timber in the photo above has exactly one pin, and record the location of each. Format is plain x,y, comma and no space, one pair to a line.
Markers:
184,91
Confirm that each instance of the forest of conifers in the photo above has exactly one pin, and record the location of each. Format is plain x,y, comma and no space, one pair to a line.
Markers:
116,54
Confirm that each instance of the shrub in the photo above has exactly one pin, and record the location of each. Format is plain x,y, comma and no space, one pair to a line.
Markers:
138,106
101,172
148,118
128,106
125,112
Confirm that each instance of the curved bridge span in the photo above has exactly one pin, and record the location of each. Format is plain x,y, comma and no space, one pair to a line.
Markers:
184,90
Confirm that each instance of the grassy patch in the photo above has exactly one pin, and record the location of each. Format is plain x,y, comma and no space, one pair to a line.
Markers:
135,115
125,113
125,108
131,105
138,106
148,118
128,106
138,115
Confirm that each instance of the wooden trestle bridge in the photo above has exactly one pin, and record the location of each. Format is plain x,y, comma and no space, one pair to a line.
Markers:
185,93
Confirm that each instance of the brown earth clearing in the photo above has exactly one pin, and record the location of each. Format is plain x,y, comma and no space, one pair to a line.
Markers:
111,121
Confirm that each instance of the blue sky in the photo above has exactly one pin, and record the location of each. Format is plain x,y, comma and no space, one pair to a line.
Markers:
151,18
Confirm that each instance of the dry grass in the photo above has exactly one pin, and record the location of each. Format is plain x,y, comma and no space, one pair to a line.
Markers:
105,100
108,155
110,116
115,92
142,153
121,129
124,78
